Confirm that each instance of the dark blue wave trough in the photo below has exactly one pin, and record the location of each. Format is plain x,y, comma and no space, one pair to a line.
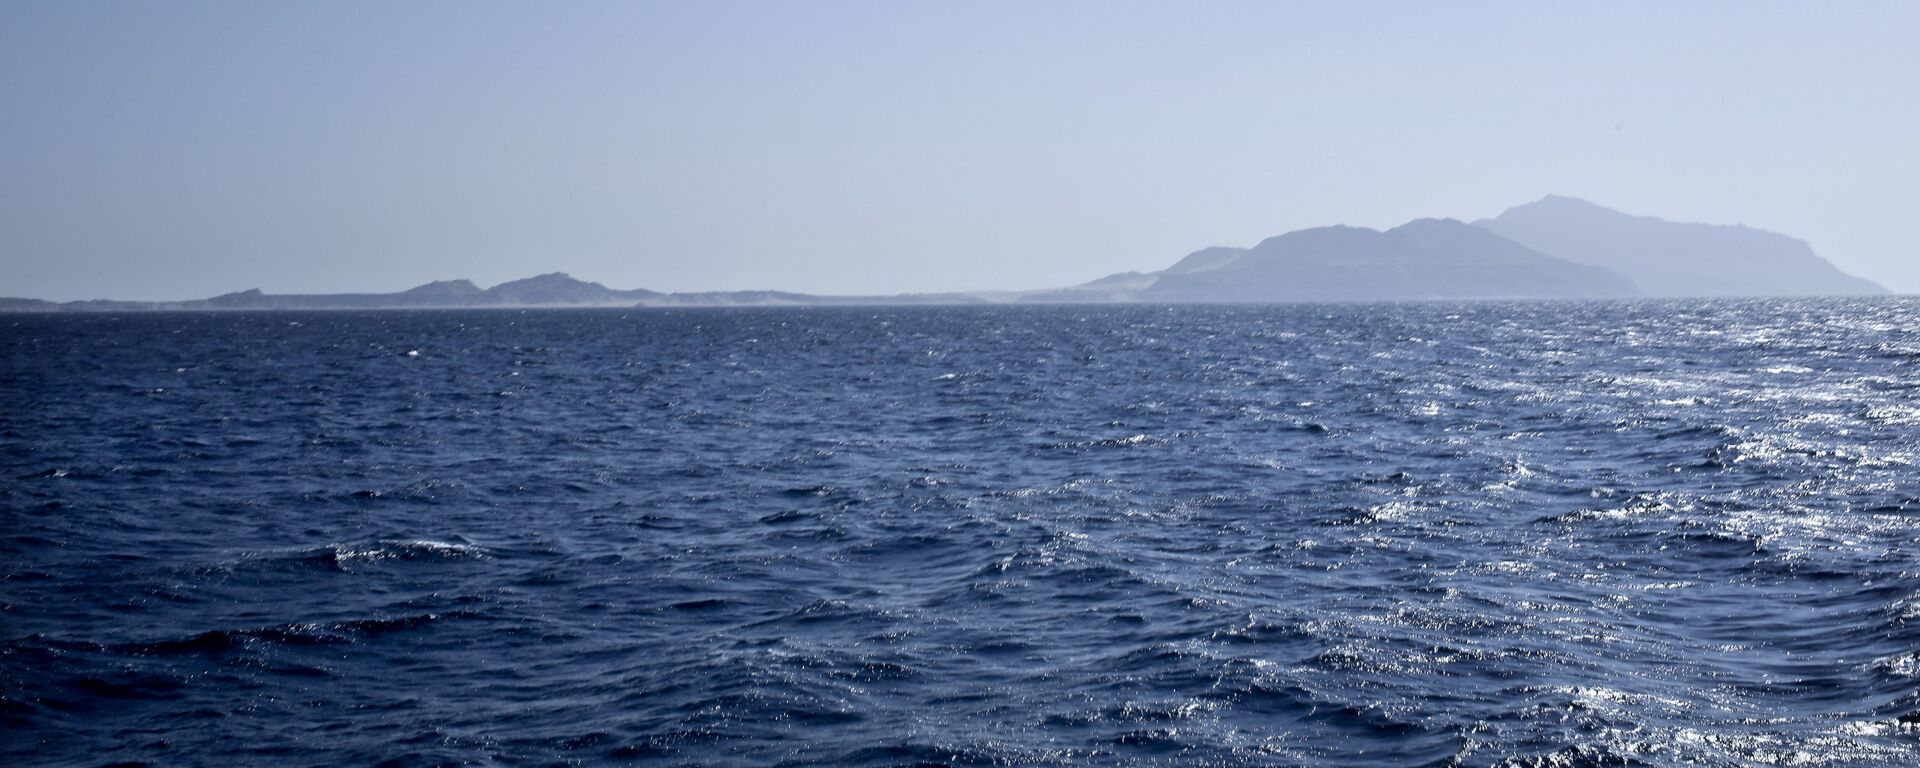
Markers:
1656,533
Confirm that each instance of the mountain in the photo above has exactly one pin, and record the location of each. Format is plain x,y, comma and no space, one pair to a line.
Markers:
554,289
462,288
1555,248
1422,259
1667,258
255,299
558,289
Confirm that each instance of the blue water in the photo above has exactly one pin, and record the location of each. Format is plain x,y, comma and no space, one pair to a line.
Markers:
1657,533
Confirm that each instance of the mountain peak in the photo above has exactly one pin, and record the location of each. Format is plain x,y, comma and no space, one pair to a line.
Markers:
1421,259
1431,224
549,278
1207,259
445,288
554,288
1669,258
1566,205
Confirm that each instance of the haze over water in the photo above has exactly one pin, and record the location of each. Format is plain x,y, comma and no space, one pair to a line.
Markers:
1658,532
179,150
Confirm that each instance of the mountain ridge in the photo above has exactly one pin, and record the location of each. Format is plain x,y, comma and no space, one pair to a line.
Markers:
1676,259
1555,247
1421,259
549,290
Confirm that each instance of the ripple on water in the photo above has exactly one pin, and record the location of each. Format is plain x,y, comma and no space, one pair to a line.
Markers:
1642,533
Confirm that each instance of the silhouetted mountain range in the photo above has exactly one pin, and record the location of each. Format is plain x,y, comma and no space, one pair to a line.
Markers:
1422,259
554,289
1556,248
1668,258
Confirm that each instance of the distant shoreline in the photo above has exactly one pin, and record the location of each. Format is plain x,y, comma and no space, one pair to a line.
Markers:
59,308
1554,248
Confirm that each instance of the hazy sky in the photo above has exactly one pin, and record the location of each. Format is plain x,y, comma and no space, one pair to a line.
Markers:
181,149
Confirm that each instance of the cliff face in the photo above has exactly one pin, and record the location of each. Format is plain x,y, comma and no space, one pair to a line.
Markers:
1666,258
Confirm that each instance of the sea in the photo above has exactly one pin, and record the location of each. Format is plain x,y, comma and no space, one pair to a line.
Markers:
1655,533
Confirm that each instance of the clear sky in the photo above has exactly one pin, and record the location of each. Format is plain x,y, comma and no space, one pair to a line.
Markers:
181,149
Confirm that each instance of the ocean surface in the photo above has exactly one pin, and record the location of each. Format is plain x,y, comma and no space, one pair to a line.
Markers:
1529,534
